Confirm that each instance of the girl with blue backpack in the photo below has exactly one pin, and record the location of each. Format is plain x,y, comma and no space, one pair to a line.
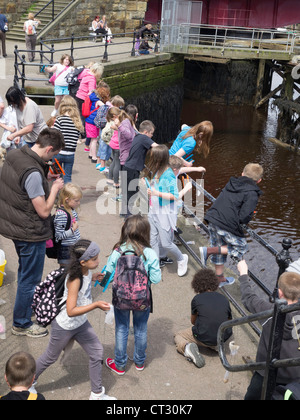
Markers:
136,267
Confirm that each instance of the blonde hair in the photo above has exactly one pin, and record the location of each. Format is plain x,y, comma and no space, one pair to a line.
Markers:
68,106
118,101
97,69
30,16
69,191
112,112
176,162
253,171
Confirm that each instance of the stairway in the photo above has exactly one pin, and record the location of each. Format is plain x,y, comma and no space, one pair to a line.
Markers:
16,32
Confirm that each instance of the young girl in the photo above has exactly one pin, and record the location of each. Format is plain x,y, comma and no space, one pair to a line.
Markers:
106,136
61,85
69,123
66,221
190,137
72,324
99,97
135,236
163,209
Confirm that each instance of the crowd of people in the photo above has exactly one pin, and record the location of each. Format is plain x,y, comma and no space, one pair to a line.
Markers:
29,190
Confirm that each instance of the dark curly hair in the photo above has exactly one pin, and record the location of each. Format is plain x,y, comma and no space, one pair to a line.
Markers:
205,281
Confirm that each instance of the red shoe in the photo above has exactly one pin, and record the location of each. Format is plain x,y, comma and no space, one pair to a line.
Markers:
110,363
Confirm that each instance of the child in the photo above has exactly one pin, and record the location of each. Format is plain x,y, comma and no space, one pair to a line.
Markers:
69,123
233,208
66,221
19,375
145,47
72,324
104,151
134,164
190,137
289,290
8,121
62,69
209,310
99,97
163,211
135,236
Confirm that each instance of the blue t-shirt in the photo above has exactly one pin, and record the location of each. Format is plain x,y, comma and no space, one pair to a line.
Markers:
188,144
167,184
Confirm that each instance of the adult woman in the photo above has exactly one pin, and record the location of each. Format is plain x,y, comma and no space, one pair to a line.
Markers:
190,137
30,35
29,117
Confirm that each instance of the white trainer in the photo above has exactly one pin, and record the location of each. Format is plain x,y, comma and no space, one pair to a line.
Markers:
183,266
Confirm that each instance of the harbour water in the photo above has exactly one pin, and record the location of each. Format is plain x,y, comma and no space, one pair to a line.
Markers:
241,135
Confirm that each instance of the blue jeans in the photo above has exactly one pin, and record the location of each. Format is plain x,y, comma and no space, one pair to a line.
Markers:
67,162
31,265
140,320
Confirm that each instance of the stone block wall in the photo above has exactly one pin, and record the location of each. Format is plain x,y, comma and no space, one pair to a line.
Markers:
122,15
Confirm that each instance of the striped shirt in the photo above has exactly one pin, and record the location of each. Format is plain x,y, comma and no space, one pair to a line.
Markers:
68,237
71,135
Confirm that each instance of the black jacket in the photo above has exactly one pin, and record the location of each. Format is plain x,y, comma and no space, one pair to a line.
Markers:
235,205
290,344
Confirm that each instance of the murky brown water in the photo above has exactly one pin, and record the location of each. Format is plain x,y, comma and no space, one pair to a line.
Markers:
241,136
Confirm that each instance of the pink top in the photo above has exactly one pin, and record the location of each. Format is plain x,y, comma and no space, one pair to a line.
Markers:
87,84
114,141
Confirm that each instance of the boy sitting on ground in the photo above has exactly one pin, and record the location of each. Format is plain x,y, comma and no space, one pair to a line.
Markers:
209,310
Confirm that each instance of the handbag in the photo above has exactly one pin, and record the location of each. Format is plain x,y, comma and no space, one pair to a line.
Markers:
54,76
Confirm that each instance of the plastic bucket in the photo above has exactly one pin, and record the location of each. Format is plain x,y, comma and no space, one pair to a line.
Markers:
2,271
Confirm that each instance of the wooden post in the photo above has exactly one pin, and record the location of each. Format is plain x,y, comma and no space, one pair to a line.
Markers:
260,81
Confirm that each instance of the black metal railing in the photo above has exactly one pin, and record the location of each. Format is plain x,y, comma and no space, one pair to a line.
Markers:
273,362
46,50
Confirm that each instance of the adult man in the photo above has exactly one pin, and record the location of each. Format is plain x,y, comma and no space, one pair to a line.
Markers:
3,30
26,201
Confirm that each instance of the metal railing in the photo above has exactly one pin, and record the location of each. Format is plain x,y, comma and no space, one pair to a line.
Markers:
179,38
47,49
273,361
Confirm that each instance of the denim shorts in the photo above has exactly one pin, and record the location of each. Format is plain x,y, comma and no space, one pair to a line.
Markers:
237,246
104,151
61,90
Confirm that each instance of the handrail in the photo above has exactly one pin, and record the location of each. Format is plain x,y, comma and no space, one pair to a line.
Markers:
273,361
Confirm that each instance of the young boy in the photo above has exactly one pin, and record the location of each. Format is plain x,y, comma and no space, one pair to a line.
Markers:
135,163
289,290
19,375
209,310
233,208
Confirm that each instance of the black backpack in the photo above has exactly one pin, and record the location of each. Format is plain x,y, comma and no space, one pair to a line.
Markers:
290,392
48,297
72,80
53,246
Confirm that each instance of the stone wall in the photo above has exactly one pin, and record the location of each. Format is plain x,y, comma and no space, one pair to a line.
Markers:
122,15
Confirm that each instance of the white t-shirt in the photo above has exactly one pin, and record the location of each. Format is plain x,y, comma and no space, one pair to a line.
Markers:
30,27
61,74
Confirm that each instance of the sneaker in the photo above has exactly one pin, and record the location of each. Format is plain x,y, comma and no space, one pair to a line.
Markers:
183,266
110,363
140,368
86,149
32,389
102,396
35,331
192,353
203,255
229,281
118,198
164,261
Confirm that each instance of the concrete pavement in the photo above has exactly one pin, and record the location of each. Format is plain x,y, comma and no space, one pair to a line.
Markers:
168,376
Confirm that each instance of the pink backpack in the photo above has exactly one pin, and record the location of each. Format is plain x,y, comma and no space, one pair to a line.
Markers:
131,287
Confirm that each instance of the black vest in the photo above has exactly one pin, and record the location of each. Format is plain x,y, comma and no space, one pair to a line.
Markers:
18,218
